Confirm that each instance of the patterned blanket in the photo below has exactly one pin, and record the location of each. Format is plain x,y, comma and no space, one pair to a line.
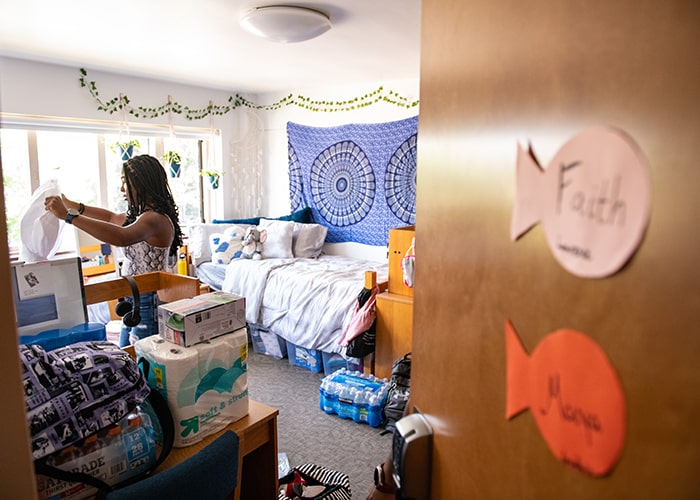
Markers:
358,179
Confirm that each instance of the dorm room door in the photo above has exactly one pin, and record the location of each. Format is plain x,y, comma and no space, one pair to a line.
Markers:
495,73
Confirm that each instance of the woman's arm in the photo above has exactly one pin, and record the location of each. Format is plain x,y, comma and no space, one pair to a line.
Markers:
95,212
150,226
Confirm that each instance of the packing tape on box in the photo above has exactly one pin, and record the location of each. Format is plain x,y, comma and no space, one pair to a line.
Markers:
206,385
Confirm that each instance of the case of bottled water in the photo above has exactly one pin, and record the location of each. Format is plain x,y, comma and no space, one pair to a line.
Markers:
354,395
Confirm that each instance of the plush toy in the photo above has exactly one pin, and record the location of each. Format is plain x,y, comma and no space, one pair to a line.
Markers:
253,242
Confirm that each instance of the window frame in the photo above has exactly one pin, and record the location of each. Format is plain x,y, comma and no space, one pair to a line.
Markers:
100,128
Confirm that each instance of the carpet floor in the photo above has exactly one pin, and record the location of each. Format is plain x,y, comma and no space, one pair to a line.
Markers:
306,434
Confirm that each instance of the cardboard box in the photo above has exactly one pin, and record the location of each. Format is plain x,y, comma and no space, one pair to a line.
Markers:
186,322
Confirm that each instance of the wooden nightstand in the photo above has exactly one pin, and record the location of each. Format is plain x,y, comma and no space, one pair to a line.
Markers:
394,331
394,307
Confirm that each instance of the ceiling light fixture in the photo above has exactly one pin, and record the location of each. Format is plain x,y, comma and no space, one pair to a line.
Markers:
286,23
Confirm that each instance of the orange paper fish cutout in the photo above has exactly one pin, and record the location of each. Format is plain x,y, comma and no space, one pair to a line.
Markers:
594,200
574,394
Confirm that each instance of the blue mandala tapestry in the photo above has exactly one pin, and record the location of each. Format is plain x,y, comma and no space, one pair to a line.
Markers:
358,179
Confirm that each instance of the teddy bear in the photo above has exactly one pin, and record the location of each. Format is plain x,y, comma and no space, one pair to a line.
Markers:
252,243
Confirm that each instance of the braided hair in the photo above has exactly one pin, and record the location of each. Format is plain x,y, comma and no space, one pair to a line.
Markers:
148,189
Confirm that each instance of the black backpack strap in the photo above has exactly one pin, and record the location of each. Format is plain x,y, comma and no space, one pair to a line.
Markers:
162,411
41,467
165,419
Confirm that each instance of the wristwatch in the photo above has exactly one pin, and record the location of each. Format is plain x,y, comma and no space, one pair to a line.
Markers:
380,480
72,213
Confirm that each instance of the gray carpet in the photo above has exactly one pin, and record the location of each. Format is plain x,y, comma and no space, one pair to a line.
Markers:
306,434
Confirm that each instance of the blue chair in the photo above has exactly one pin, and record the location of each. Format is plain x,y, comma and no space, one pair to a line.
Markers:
209,474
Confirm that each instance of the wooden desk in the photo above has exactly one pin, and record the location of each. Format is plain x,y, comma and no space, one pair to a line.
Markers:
169,287
257,453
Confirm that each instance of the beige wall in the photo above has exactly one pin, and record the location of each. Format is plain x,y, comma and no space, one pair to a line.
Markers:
495,73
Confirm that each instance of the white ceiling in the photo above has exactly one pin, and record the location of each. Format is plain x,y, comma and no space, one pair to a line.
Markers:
200,41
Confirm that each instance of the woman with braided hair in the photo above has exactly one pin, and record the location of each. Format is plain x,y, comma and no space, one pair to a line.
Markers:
149,231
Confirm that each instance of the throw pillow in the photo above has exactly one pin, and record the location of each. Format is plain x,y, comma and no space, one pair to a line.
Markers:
198,244
278,244
308,240
228,245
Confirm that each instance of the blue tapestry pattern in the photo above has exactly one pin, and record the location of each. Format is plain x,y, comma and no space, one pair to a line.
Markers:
343,184
358,179
400,181
296,188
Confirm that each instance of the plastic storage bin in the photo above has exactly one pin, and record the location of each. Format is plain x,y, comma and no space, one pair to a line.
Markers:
333,362
354,395
311,359
268,343
53,339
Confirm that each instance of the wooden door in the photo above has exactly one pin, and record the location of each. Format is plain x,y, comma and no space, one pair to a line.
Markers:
495,73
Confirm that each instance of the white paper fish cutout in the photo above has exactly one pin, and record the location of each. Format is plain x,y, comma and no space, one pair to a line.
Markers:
594,200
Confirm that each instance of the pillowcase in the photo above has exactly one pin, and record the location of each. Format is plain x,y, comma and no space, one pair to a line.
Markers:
308,240
198,241
251,221
228,245
304,215
278,244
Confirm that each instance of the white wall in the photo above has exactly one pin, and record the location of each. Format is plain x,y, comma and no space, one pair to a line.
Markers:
35,88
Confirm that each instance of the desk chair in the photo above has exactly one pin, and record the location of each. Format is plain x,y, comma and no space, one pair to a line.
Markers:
209,474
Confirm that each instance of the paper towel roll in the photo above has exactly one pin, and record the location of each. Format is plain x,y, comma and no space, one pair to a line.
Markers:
206,385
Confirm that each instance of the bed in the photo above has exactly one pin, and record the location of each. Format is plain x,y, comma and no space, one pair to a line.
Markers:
296,292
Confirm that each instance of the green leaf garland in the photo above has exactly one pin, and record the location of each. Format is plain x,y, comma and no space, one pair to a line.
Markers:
122,103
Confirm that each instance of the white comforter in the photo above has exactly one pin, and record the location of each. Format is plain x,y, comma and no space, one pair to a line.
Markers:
306,301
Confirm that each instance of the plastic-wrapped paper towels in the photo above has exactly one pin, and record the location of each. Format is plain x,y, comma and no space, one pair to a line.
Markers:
206,385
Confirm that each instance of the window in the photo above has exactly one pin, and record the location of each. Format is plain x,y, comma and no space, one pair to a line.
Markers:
87,167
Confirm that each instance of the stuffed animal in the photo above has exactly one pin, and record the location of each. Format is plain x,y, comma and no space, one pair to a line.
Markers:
253,242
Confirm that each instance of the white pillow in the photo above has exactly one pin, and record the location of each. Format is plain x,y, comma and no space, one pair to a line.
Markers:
198,241
278,244
228,245
308,240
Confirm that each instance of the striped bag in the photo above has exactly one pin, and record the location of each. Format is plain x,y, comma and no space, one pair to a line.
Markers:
321,482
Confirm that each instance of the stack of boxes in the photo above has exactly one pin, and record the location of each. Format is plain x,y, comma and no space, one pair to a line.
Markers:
199,363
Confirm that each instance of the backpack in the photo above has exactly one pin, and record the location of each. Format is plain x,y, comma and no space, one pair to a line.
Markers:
76,392
364,320
399,392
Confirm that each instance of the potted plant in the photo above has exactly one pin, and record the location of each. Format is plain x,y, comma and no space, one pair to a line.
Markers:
172,158
213,175
126,148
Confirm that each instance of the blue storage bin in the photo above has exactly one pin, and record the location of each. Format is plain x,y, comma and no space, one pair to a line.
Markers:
333,362
53,339
311,359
